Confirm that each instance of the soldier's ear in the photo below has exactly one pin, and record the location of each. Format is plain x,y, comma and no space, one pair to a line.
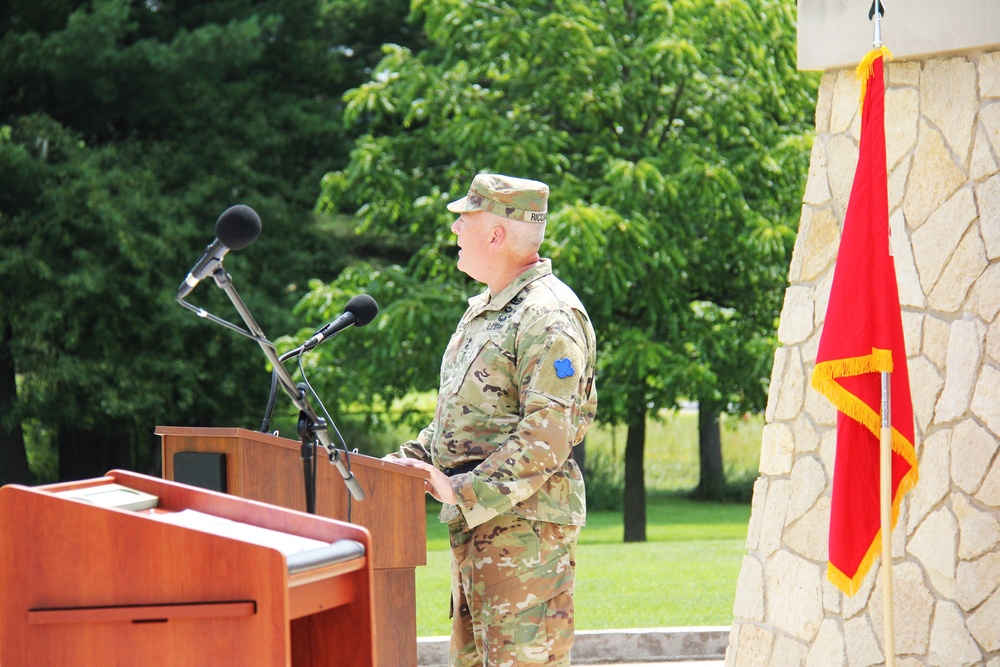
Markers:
497,236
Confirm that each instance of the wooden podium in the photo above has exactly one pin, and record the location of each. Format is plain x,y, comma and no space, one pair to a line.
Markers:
268,468
90,585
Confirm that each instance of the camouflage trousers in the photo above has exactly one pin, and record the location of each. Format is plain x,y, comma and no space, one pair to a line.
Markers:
512,593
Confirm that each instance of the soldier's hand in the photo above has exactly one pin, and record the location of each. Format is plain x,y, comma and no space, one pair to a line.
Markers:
439,485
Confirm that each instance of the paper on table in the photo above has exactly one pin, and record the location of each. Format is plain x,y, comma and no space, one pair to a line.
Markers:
217,525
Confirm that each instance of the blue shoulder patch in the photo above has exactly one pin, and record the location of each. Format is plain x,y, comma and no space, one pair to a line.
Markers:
564,367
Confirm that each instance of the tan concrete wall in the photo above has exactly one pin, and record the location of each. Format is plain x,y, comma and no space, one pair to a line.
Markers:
943,154
837,33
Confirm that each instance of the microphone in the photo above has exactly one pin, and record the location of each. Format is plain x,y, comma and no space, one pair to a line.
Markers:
359,311
236,228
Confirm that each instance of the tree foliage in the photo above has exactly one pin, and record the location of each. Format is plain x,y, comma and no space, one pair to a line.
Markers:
126,128
675,136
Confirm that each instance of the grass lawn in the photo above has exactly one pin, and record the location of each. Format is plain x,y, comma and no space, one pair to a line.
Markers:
683,575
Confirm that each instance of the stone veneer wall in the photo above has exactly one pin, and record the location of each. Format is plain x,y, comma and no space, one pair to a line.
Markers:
943,155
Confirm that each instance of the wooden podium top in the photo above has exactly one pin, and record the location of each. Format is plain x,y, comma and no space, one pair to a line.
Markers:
355,458
280,441
268,468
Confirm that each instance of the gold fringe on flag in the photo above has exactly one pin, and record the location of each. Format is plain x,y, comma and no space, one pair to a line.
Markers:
851,585
823,381
863,72
877,362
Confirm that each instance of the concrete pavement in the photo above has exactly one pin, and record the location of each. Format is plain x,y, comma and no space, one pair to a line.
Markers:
638,647
671,663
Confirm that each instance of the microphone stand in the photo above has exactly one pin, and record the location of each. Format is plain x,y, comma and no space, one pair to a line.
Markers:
312,428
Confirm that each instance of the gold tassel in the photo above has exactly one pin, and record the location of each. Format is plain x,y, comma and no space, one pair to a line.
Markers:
866,67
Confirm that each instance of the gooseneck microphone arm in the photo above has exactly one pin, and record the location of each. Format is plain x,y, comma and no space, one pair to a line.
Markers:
358,312
236,228
311,426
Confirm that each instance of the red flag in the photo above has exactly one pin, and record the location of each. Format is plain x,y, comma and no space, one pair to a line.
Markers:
863,336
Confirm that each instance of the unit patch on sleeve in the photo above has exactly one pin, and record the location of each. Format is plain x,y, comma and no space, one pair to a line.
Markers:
564,367
558,372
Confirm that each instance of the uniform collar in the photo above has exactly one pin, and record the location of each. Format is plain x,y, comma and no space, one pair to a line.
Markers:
485,301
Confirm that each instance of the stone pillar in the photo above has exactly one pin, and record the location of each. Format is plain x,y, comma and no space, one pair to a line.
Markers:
943,158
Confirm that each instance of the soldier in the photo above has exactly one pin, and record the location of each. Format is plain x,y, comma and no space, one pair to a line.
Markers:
517,392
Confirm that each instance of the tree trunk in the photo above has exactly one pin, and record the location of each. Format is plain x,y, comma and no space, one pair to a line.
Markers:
711,477
13,455
86,453
635,483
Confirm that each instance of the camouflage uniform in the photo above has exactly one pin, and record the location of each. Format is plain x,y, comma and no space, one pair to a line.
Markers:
517,392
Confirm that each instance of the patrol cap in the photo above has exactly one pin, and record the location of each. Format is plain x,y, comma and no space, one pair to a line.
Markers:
506,196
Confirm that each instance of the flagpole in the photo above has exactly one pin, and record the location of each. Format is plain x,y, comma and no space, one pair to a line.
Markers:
886,507
877,11
885,468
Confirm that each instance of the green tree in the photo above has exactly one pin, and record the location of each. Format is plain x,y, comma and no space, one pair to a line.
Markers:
127,127
675,136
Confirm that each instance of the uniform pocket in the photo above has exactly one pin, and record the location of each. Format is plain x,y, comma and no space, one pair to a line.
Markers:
533,587
486,382
534,625
543,635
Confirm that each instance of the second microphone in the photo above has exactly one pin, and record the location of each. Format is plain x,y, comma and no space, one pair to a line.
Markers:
359,311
